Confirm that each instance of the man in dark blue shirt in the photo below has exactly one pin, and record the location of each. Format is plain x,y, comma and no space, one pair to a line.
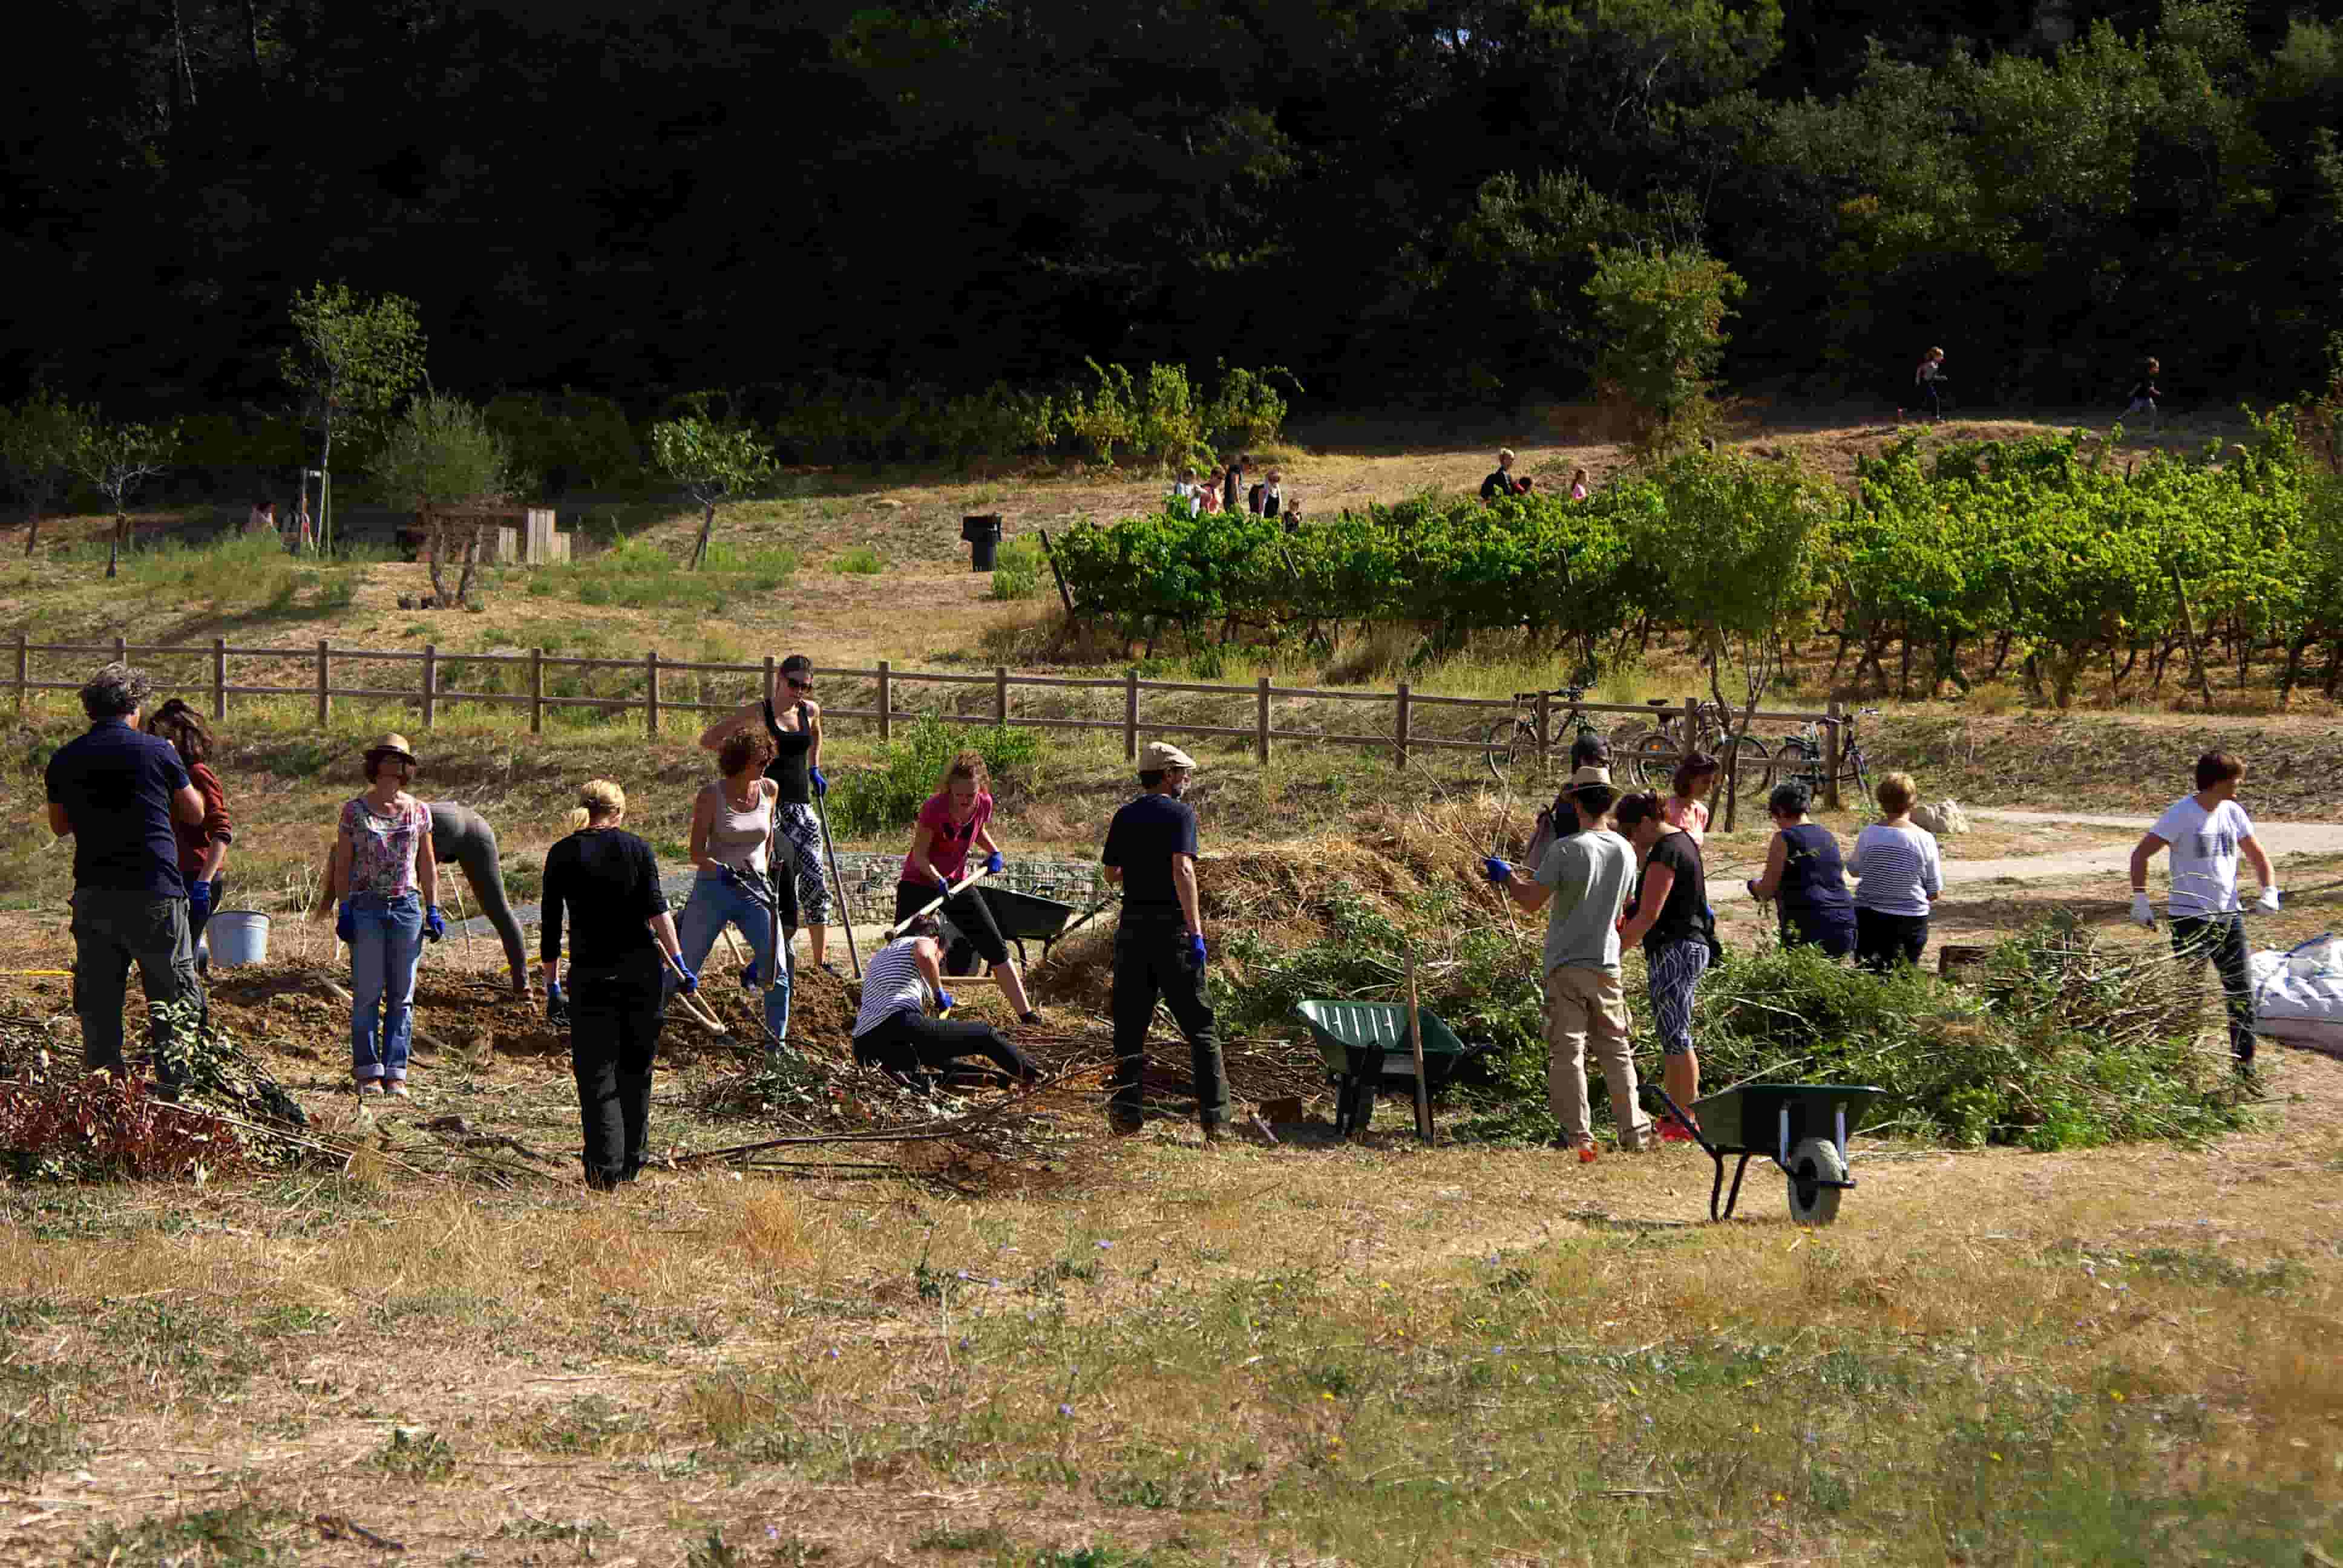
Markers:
1159,943
114,792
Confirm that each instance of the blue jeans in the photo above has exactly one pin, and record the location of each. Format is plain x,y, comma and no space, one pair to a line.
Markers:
383,959
712,906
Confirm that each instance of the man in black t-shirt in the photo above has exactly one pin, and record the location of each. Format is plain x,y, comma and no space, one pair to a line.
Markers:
1159,944
113,791
1502,482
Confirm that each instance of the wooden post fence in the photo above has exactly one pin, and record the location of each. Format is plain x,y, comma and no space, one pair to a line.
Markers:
537,689
1830,757
1261,723
1398,724
219,680
24,668
1001,694
325,694
431,683
886,701
1131,714
650,692
1544,721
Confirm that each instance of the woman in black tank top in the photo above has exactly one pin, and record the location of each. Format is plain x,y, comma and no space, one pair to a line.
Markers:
795,726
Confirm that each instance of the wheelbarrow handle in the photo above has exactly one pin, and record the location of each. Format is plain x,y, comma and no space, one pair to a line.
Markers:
1687,1122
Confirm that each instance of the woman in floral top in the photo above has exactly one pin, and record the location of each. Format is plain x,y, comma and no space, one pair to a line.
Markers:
389,886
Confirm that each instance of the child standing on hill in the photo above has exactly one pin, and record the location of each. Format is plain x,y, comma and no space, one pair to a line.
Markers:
1929,377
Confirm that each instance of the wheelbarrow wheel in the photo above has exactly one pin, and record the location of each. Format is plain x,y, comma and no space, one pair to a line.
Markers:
1813,1162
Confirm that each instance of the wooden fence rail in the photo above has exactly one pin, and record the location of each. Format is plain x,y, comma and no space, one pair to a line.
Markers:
329,681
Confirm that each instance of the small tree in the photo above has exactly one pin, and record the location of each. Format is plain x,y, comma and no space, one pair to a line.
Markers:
118,458
39,440
712,460
356,360
1663,321
441,452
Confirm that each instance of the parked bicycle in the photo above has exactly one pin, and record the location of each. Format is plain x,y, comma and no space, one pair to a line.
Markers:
1648,754
1803,757
1513,742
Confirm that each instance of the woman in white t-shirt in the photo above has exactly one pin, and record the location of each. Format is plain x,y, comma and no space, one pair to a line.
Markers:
1898,873
2207,832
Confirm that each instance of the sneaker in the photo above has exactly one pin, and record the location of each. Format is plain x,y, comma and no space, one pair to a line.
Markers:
369,1087
1586,1155
397,1089
1671,1130
1030,1019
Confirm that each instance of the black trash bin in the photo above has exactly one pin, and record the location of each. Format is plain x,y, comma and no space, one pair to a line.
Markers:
983,536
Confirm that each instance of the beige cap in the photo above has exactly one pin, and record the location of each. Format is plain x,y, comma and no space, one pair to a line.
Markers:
1585,775
391,744
1159,756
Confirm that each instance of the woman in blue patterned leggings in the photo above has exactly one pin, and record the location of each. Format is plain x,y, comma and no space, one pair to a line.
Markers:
1672,920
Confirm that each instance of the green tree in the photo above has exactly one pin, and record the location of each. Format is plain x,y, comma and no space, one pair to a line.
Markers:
1663,315
356,358
39,440
712,459
441,452
116,459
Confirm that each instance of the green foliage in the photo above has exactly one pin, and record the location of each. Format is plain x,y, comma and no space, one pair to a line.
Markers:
1018,570
440,451
242,1535
40,440
710,460
354,359
1662,312
116,458
883,800
858,560
639,574
572,442
418,1455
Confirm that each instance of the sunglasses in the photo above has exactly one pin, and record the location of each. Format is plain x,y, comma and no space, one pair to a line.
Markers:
795,685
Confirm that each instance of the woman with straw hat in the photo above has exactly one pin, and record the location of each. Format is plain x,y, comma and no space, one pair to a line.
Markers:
608,881
390,883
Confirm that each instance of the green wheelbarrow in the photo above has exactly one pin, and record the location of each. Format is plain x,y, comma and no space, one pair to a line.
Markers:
1800,1127
1367,1051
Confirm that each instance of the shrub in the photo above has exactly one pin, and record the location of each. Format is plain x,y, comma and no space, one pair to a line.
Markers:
637,574
1017,569
862,560
886,797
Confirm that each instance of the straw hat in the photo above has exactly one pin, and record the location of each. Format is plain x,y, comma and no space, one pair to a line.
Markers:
391,744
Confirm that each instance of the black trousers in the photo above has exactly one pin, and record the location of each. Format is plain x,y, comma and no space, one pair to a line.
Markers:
968,912
614,1015
1802,928
2222,938
1150,960
909,1044
1883,941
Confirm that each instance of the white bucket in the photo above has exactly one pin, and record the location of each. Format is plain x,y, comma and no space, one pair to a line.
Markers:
237,937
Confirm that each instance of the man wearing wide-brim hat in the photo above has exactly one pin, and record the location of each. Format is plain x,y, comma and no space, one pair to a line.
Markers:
1586,878
1159,944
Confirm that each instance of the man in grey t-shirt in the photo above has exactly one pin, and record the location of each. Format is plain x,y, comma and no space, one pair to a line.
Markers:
1586,878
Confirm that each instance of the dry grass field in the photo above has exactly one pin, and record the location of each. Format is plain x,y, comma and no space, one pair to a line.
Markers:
1036,1346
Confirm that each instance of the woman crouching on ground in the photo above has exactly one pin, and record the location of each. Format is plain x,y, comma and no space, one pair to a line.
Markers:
1805,876
732,827
893,1031
956,818
389,885
1671,919
621,940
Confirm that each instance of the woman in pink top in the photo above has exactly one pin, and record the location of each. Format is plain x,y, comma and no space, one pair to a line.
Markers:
1578,485
1685,808
955,821
388,883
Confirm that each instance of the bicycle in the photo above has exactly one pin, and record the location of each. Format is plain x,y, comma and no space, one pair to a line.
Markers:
1511,741
1649,756
1800,756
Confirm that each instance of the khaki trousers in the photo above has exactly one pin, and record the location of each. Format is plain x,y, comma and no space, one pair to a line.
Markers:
1579,1003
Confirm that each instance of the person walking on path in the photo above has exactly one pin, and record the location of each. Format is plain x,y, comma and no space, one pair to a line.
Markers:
794,731
893,1030
956,819
621,939
462,837
203,846
120,796
1159,942
2144,393
1929,377
390,883
1805,876
1500,480
732,832
2207,833
1898,873
1584,877
1678,929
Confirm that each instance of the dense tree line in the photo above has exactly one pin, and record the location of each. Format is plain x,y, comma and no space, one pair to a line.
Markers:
1396,198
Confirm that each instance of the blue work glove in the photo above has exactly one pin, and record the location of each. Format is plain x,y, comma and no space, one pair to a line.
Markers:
199,899
821,784
1195,950
556,1003
726,874
945,1002
943,886
1497,870
685,982
434,924
992,864
748,975
345,924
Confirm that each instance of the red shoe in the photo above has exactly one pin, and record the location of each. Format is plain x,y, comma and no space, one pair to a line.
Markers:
1586,1154
1675,1132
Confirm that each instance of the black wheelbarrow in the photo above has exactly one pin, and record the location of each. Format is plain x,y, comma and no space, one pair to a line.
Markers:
1367,1053
1023,917
1800,1127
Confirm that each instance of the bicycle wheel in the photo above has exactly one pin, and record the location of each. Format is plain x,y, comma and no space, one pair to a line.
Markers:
1795,759
1858,770
1746,757
1510,743
1653,762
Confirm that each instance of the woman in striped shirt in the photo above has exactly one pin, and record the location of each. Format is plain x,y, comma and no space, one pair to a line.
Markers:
893,1031
1898,873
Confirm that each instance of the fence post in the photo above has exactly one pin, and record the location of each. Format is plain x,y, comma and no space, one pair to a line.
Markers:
1261,721
24,668
886,701
1830,757
1399,726
1000,695
1690,729
219,680
1544,727
769,684
650,692
431,683
122,650
1131,714
537,691
324,697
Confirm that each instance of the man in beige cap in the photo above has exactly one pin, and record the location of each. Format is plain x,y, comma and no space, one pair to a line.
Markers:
1159,944
1586,876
